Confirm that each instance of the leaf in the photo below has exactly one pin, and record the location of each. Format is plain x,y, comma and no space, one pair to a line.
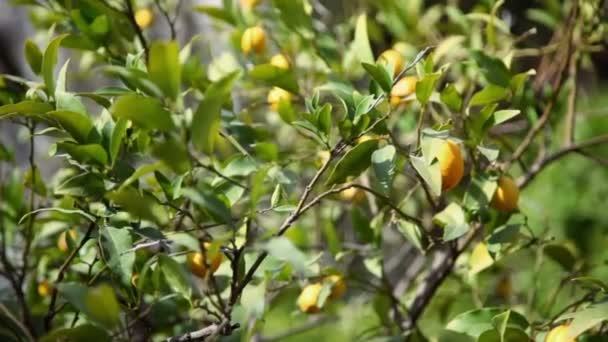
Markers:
275,76
431,174
78,125
118,134
414,234
101,306
115,241
489,94
164,67
91,153
493,69
586,318
217,13
84,332
383,163
503,115
592,283
210,203
253,299
145,112
61,210
134,79
561,254
480,259
361,226
143,206
353,163
49,60
34,180
451,98
500,322
453,221
282,249
294,15
25,108
206,120
33,55
173,154
175,275
425,87
87,184
479,192
475,322
65,101
380,75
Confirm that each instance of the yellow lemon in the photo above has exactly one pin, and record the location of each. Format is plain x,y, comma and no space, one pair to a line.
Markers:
322,157
451,164
506,196
402,89
62,242
338,286
355,195
393,57
276,95
44,288
559,334
280,61
249,4
253,39
144,17
198,264
307,301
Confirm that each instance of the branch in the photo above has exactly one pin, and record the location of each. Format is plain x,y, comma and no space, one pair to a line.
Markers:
313,323
207,332
170,22
570,125
48,319
138,31
441,267
535,169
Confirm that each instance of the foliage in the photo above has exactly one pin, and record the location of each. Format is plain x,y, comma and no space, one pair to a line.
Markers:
334,175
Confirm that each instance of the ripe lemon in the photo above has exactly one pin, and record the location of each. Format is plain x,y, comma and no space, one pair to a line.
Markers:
249,4
276,95
451,164
280,61
253,39
307,301
506,195
338,286
144,17
197,262
62,242
402,89
44,288
559,334
393,57
355,195
322,157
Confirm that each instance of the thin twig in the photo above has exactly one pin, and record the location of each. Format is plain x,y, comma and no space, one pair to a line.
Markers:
140,35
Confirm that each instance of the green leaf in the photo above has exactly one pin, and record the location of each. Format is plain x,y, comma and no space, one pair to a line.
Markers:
60,210
143,206
361,226
414,234
164,67
115,242
49,60
489,94
493,69
78,125
282,249
500,322
210,203
85,153
82,185
294,15
34,180
275,76
353,163
380,75
503,115
562,254
173,154
431,174
480,259
206,120
586,318
65,101
475,322
253,299
592,283
33,55
217,13
175,275
101,306
425,87
118,134
145,112
479,193
453,221
25,108
383,163
361,44
451,98
134,79
84,332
